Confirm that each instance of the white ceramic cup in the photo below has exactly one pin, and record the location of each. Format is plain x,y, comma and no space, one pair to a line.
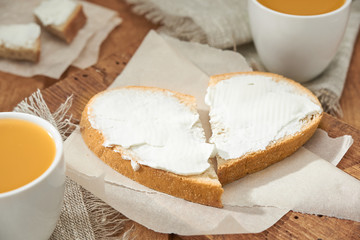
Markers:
31,211
298,47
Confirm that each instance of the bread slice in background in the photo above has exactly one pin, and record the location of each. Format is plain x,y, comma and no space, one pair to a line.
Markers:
20,42
203,188
232,166
62,18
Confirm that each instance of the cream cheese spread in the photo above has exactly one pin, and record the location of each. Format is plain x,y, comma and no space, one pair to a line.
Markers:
154,127
135,166
249,112
55,12
19,35
126,156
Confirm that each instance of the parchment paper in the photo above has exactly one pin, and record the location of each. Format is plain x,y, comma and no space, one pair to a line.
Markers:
90,53
160,63
56,55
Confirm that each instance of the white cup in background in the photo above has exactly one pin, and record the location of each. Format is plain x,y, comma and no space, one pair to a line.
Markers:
296,46
31,211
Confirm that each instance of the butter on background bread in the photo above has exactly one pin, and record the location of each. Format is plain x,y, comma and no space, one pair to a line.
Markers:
153,136
258,119
20,42
63,19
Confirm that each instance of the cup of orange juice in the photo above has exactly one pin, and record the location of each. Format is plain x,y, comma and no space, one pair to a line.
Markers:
298,38
32,177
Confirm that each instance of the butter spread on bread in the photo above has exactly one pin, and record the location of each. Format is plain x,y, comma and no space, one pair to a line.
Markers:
258,119
20,41
55,12
159,130
158,133
63,18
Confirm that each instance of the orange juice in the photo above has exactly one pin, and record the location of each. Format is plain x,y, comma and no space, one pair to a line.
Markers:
303,7
26,152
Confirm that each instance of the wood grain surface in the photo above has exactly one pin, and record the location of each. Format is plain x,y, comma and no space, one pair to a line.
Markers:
117,50
350,99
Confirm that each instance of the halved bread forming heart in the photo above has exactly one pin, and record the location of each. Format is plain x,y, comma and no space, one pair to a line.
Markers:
258,119
153,136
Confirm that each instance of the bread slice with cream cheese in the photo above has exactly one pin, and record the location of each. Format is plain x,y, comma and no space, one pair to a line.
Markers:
20,42
258,119
62,18
153,136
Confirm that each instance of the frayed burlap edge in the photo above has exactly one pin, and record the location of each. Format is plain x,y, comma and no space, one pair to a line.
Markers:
106,222
183,28
330,102
36,105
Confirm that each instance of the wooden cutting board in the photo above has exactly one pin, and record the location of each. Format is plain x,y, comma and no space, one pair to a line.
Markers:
83,84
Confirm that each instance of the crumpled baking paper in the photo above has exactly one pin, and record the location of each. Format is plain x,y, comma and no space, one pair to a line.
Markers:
306,182
56,55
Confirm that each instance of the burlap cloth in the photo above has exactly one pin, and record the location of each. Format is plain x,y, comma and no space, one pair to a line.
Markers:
224,24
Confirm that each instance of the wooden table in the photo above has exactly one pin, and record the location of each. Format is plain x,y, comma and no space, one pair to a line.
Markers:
116,51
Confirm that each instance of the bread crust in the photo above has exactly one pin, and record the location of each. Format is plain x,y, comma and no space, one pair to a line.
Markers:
28,54
233,169
204,188
68,30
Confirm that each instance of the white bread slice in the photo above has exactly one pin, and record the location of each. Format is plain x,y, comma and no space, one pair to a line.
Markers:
67,29
203,188
238,166
20,42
